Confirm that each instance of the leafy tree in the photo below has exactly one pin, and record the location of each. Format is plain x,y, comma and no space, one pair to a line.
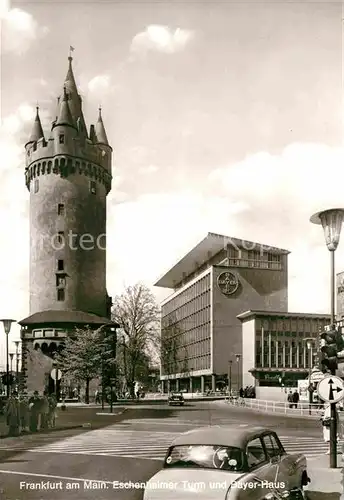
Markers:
137,313
81,356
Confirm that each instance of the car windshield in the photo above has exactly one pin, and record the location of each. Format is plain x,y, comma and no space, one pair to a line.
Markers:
206,457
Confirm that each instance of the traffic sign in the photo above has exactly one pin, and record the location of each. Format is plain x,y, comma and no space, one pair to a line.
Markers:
316,376
56,374
331,389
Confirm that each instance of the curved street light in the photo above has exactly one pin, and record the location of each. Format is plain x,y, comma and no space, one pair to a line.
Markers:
331,220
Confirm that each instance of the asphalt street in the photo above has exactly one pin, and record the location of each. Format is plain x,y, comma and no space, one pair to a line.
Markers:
67,464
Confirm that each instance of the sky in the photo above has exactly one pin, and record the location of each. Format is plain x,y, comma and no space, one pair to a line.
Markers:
224,117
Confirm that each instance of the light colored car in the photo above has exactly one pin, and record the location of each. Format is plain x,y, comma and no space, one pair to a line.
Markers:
226,463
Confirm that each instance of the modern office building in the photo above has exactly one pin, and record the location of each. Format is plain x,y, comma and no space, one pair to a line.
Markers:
275,346
214,283
68,174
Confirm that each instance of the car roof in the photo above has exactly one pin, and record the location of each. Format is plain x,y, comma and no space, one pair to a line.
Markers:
220,435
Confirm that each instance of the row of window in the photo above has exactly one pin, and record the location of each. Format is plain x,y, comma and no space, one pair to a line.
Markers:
196,363
192,292
183,325
294,325
92,185
290,361
195,334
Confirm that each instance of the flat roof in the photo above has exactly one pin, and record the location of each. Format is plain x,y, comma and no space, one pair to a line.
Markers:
211,245
253,314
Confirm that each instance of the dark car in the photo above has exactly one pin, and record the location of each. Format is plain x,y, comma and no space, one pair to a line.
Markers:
176,398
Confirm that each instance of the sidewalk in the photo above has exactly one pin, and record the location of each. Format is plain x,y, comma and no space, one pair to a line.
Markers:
73,418
323,479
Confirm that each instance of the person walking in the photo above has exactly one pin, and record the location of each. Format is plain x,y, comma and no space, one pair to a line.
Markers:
52,410
35,409
290,399
326,423
44,411
296,398
24,413
12,413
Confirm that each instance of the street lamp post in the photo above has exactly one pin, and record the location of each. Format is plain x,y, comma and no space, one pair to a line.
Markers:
17,342
331,221
229,378
308,342
11,361
7,327
238,357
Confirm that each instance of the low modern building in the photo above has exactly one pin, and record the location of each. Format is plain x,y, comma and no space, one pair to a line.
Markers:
213,284
275,347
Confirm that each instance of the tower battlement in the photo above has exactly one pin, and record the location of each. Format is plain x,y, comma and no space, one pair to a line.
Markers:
66,166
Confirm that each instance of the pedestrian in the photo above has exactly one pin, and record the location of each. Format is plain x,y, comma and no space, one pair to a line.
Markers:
35,409
326,423
24,413
12,413
241,392
44,411
296,398
290,399
52,411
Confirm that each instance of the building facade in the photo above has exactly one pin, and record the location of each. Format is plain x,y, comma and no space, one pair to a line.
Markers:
220,278
68,174
275,349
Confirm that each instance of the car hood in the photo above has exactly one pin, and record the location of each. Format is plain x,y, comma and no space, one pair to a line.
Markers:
180,484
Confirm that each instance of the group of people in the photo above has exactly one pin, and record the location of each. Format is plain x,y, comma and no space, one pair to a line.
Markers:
24,414
293,399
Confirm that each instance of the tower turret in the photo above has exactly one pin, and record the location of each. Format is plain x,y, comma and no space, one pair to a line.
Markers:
37,130
100,138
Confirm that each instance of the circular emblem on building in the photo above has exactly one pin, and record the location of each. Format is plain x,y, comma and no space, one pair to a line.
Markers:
228,283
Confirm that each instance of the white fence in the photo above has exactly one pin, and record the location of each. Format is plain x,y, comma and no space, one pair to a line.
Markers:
280,407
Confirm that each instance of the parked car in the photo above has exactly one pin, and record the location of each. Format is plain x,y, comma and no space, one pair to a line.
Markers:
176,398
225,463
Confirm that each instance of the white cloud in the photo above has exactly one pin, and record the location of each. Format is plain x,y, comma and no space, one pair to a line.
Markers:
99,83
283,191
161,39
149,169
19,29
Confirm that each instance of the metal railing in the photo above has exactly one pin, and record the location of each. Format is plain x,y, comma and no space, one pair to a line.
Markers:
279,407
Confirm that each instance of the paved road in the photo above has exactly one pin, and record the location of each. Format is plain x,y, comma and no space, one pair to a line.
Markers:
129,451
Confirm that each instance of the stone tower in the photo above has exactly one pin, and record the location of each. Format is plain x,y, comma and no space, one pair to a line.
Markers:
68,175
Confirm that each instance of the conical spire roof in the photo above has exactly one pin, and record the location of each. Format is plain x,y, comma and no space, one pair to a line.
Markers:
65,116
74,99
37,130
70,80
100,130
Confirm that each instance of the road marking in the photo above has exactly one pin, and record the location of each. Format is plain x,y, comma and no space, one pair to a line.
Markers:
52,476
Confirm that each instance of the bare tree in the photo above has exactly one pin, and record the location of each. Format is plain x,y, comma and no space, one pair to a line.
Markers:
137,313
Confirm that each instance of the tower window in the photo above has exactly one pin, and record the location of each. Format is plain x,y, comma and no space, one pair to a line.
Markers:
60,209
36,185
35,146
60,281
60,265
61,138
60,294
93,187
60,237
